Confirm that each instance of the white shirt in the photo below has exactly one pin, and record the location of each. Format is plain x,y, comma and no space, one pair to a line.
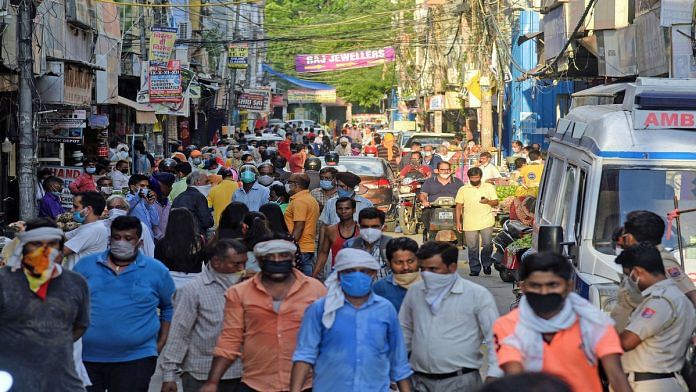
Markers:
452,338
120,180
489,171
86,240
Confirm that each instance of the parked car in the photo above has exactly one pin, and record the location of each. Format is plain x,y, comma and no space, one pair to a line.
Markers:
304,124
379,183
276,121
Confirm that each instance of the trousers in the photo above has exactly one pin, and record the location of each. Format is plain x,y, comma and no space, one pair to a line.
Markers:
131,376
466,382
191,384
473,249
672,384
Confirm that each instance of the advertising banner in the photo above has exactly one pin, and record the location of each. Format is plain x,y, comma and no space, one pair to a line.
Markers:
180,108
311,96
63,126
341,61
165,81
251,102
161,42
238,56
68,174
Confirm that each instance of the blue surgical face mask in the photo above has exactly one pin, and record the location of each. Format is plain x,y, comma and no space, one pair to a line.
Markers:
326,185
79,217
91,170
356,284
248,177
345,193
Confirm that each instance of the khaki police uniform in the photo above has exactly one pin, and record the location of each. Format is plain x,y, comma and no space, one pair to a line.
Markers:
629,296
664,322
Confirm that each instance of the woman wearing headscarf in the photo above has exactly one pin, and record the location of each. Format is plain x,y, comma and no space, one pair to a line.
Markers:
389,151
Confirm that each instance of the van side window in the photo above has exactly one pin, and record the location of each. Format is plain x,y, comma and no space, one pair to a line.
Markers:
565,210
553,180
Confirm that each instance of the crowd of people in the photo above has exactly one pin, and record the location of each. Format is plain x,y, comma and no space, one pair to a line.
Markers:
227,272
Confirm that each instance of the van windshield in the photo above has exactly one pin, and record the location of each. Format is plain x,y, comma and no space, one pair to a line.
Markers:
623,190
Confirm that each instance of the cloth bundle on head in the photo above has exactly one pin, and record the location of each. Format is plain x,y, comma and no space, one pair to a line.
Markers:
528,338
38,234
351,180
346,258
274,246
343,140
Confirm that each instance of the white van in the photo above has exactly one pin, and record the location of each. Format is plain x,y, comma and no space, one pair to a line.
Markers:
607,160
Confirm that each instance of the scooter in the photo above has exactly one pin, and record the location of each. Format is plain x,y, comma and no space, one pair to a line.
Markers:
408,209
442,223
507,261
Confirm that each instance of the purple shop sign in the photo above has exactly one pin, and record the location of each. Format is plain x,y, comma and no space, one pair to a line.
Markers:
341,61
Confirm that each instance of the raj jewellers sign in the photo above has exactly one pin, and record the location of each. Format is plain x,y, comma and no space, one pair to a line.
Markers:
342,61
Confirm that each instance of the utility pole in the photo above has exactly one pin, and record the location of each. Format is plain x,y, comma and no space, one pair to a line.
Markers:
232,95
27,205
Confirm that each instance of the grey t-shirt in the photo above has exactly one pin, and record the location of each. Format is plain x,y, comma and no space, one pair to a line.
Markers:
36,336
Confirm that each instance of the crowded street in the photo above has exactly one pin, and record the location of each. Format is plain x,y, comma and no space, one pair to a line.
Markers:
348,196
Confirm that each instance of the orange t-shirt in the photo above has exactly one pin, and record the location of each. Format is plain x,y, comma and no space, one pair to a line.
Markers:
563,357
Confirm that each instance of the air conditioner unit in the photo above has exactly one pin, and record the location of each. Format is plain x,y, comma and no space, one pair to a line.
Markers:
77,13
183,31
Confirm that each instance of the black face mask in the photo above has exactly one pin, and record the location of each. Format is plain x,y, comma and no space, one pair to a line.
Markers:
544,303
277,267
475,183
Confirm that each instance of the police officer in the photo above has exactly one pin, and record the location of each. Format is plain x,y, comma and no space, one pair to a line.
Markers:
659,329
646,226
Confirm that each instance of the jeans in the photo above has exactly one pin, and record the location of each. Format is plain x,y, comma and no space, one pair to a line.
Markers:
472,247
307,263
131,376
190,384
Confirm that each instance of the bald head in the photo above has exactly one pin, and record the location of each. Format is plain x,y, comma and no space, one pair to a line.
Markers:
301,180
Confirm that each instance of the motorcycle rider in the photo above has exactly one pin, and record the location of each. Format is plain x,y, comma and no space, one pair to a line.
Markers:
311,168
441,185
415,166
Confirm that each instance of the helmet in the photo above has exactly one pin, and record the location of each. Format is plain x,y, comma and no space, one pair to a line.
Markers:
167,165
312,164
371,151
280,162
331,158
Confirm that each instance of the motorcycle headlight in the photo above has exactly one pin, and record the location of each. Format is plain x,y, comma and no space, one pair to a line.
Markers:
605,296
405,189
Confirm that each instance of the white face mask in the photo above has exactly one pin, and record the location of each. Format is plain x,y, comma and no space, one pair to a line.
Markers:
618,251
287,188
428,153
435,281
204,189
123,250
444,176
370,235
116,212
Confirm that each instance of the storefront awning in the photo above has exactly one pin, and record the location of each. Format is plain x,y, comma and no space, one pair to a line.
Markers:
143,114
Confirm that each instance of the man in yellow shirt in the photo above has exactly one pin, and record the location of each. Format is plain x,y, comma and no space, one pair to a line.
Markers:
301,218
475,217
220,195
531,173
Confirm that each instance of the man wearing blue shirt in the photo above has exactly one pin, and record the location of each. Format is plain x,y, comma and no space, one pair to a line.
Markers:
403,263
141,200
351,338
125,333
253,194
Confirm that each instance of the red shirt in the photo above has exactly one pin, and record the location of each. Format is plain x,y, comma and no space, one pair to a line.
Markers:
83,183
422,169
297,162
284,149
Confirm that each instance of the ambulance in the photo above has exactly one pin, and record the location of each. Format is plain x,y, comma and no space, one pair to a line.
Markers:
607,160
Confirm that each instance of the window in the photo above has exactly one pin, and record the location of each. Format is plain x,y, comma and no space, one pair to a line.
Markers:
553,177
565,210
625,189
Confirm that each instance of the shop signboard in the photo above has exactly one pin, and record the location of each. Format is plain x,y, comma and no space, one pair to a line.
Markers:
277,100
311,96
161,42
251,101
404,125
63,126
61,135
238,56
68,174
343,61
165,81
436,102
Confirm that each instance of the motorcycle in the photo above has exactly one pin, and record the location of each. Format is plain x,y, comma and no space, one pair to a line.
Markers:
442,221
408,209
506,260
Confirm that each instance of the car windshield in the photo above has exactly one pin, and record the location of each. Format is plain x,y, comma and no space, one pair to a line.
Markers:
623,190
432,140
363,167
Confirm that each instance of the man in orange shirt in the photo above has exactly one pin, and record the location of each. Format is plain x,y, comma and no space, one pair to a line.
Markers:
556,331
301,218
261,320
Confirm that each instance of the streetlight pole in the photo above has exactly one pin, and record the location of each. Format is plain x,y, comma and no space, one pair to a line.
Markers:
27,205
